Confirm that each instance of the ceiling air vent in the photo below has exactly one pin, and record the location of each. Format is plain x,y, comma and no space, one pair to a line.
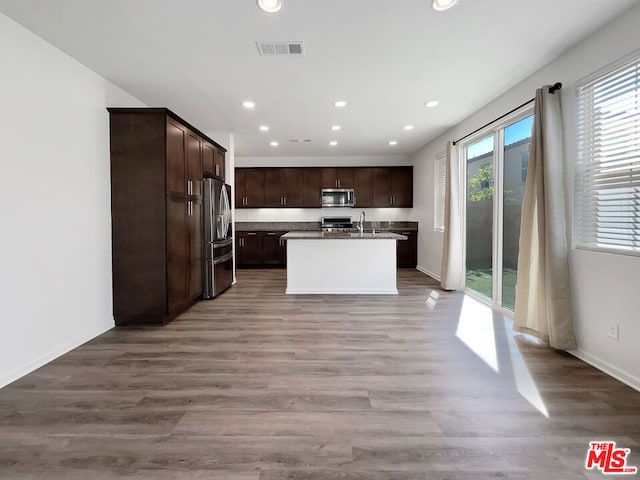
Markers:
280,48
300,140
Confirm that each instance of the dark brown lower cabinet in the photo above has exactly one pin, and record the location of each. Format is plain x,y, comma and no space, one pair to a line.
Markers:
268,249
177,250
248,249
195,254
407,251
260,249
273,252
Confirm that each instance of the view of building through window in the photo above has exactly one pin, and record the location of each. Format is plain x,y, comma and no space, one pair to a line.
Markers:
481,194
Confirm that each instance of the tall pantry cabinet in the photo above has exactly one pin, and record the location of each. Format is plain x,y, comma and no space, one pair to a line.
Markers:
156,213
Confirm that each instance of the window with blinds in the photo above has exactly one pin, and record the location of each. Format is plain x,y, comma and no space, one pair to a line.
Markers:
607,175
440,186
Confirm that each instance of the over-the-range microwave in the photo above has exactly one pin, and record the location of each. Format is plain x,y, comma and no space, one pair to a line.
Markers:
338,197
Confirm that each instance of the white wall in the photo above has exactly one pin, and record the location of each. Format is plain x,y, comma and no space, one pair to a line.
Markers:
604,286
55,247
314,214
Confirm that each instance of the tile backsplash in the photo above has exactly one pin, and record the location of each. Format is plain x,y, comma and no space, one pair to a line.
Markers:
315,214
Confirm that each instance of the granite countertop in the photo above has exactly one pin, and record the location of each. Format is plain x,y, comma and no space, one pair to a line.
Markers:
315,226
343,236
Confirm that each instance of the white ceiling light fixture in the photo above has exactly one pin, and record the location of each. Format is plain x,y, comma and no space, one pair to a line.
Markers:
333,143
274,144
441,5
335,128
393,143
340,103
270,6
248,104
432,103
408,127
264,128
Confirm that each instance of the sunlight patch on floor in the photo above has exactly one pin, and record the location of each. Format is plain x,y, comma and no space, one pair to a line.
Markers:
475,329
524,381
433,299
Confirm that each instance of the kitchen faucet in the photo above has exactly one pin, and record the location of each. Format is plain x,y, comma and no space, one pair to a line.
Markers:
362,220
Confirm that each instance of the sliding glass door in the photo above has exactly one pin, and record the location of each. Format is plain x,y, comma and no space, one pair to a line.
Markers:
479,217
496,168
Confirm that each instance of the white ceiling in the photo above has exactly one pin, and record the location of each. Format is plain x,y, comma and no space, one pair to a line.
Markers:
384,57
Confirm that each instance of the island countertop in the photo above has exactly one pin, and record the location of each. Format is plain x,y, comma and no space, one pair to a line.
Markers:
315,235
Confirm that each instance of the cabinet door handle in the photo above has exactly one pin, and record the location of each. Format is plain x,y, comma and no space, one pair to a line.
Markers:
338,183
271,234
251,233
285,201
217,170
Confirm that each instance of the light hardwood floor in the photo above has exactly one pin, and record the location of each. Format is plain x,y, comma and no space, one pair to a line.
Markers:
257,385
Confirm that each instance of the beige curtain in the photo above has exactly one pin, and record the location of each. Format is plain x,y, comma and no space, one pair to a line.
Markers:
452,277
543,295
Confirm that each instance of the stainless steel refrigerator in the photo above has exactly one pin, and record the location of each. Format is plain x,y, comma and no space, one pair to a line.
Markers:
218,241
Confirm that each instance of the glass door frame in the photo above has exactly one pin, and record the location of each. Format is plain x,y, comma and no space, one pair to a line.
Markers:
497,131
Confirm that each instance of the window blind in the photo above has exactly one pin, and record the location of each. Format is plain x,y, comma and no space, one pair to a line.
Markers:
607,176
440,189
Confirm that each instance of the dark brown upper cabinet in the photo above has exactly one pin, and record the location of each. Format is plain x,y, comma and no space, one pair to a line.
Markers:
218,164
393,187
363,183
193,164
301,186
337,177
250,187
212,161
283,187
311,187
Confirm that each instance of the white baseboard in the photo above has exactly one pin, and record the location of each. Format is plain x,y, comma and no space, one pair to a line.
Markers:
299,291
9,377
606,367
427,272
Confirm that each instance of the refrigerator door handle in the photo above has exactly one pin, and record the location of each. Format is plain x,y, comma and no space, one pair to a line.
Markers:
222,259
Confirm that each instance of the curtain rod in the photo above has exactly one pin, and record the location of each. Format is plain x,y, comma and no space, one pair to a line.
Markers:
552,89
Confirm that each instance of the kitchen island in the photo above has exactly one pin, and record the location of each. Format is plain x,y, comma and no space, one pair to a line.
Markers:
342,263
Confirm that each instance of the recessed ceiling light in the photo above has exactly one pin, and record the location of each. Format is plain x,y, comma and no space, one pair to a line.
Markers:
263,128
393,142
274,144
340,103
408,127
431,103
333,143
248,104
270,6
441,5
335,128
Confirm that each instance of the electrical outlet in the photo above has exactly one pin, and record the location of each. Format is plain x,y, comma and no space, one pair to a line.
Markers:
613,332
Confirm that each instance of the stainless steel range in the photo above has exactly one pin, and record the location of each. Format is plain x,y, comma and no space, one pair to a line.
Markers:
337,224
